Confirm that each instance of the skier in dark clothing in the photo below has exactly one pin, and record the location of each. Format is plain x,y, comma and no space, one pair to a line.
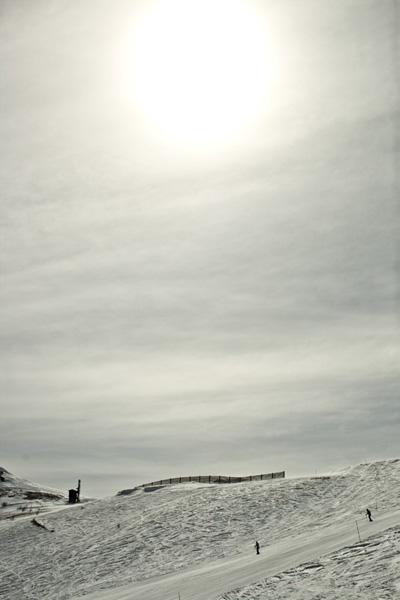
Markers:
257,547
368,513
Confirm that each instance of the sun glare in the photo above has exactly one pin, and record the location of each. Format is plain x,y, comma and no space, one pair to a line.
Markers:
198,69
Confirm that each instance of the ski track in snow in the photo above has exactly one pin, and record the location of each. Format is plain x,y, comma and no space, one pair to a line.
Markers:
369,570
109,543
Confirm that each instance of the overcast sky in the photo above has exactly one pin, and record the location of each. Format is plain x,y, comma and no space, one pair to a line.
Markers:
199,246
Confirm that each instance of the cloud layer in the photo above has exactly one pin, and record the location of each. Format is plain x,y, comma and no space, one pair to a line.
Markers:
168,312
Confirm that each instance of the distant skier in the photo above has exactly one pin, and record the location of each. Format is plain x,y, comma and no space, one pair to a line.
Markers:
368,513
257,547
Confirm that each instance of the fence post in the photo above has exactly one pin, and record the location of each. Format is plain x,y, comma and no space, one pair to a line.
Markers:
358,531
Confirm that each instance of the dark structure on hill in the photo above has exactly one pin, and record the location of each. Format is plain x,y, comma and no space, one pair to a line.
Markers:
74,495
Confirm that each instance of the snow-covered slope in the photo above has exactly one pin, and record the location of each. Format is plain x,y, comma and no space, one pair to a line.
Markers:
366,570
153,531
18,496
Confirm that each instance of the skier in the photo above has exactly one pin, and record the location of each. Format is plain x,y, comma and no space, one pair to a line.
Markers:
257,547
368,513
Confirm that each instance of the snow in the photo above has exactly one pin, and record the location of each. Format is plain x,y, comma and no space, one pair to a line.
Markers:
365,571
20,497
197,540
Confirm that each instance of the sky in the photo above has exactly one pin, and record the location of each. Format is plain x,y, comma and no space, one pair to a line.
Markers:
199,245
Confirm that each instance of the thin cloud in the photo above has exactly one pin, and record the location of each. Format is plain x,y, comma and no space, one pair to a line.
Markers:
179,311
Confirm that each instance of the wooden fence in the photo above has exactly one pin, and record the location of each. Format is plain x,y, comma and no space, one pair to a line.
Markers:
216,479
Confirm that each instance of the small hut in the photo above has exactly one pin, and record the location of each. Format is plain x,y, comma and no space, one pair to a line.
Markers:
73,496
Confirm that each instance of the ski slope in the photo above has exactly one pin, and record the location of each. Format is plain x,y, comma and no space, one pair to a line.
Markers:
197,540
210,581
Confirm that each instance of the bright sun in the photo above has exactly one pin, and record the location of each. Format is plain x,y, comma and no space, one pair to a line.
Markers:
198,69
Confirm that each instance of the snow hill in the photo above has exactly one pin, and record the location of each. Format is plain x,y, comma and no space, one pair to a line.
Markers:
196,542
18,494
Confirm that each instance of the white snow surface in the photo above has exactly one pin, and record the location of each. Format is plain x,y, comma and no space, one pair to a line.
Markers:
15,486
19,496
196,542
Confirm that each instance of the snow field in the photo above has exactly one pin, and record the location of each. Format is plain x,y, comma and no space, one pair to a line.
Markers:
368,570
109,543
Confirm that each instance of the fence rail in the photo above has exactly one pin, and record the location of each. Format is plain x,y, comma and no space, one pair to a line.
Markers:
215,479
